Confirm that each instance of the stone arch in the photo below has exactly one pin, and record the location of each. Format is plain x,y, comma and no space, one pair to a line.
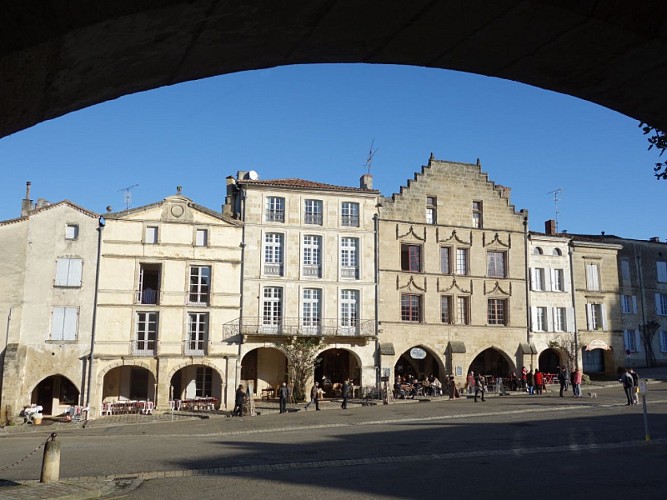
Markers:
337,364
549,359
492,360
266,366
184,364
121,380
436,366
55,393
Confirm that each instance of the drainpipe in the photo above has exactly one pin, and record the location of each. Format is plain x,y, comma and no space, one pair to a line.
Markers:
570,251
527,276
237,372
100,227
642,291
376,279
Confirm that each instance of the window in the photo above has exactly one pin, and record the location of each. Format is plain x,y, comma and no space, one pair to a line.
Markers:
497,312
625,270
663,341
410,307
477,214
203,381
462,261
312,252
463,310
596,317
631,340
349,310
661,304
146,337
275,209
431,210
537,279
68,272
273,254
540,319
148,291
592,277
201,237
313,212
629,304
495,264
411,258
71,231
272,312
537,251
557,280
446,309
349,258
445,260
661,269
64,323
560,319
311,310
150,237
557,252
200,284
197,333
349,214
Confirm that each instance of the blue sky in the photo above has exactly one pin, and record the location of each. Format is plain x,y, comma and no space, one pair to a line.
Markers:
318,122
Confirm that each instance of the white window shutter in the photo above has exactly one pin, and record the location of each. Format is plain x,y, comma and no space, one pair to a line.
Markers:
662,271
569,316
589,316
657,305
638,341
634,304
75,272
70,323
626,342
566,280
62,270
550,311
57,323
533,319
603,313
532,278
547,279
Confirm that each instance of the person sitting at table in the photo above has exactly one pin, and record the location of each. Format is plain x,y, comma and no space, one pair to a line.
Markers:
398,388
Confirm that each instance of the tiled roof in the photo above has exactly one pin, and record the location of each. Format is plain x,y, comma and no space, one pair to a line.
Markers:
303,184
49,207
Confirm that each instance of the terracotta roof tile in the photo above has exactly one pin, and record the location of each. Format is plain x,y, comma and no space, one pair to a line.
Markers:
303,184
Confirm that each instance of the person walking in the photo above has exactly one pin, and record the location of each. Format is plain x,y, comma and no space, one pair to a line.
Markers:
635,392
346,393
314,396
562,380
539,381
479,386
530,382
576,383
628,386
239,401
283,394
470,383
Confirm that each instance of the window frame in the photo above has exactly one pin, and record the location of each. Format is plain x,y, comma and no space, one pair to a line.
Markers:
151,235
411,253
477,214
199,285
446,309
274,209
69,272
313,211
349,213
71,231
462,261
273,253
495,259
143,343
197,333
497,312
201,237
411,307
431,210
65,326
463,309
349,257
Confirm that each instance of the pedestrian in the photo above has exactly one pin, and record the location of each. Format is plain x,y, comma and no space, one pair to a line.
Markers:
453,391
628,386
480,386
470,382
635,379
346,393
239,401
530,382
283,394
562,380
314,396
576,383
539,381
524,375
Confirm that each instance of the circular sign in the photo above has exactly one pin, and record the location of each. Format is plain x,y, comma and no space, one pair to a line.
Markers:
417,353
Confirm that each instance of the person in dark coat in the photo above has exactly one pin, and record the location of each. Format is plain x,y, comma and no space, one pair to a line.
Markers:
315,396
346,393
480,384
238,401
283,394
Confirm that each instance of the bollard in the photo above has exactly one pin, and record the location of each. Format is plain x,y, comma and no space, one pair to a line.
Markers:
51,461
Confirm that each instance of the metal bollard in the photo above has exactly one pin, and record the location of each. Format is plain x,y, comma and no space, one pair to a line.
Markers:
51,461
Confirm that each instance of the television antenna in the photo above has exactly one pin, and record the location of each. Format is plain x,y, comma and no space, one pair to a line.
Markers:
556,193
369,160
127,196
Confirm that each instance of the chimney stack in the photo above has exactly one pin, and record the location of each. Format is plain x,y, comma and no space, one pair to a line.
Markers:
26,203
366,182
550,227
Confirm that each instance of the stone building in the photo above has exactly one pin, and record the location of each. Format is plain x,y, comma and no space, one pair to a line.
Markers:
169,279
452,276
49,258
308,272
551,300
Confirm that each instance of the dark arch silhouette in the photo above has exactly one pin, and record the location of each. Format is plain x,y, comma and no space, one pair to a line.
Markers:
56,58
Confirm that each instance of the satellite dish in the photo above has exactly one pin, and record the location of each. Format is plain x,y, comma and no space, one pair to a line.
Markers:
252,175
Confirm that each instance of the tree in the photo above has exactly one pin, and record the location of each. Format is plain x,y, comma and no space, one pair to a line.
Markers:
648,331
658,140
302,358
568,346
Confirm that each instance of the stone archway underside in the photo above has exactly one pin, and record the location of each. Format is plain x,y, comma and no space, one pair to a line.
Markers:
56,58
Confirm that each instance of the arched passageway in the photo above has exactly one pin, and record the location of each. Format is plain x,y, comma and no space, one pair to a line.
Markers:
55,63
336,365
493,362
134,383
195,381
593,361
55,394
418,362
265,366
549,361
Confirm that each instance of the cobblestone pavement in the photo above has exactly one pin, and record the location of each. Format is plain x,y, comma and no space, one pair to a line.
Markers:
116,486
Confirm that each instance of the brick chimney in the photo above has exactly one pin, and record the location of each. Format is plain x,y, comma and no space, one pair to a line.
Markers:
550,227
26,203
366,182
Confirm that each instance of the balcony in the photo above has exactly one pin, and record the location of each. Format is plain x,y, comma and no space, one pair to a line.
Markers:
143,347
311,271
195,348
293,327
349,273
273,269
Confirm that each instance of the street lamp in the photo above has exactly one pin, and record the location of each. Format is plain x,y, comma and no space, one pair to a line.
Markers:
101,222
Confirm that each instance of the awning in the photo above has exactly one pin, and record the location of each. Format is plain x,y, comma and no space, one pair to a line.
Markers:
387,349
527,348
598,344
457,347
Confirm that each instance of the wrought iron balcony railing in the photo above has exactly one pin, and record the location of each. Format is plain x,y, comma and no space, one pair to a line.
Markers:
327,327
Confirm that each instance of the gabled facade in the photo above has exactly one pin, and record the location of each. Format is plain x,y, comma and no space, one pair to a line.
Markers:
169,279
49,257
308,272
452,276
